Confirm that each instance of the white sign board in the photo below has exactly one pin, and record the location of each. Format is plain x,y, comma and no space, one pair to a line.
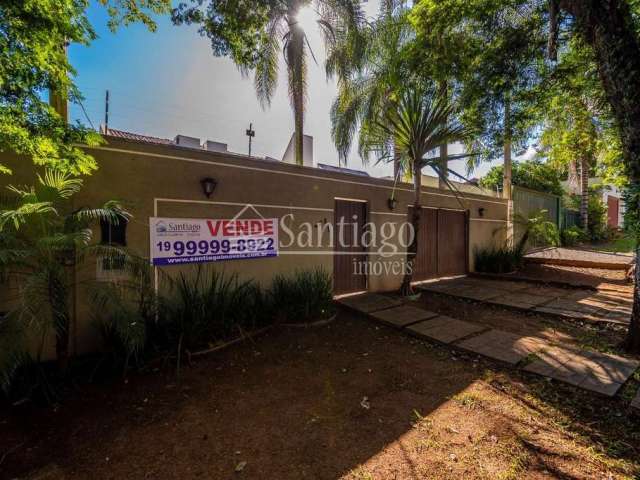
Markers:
177,241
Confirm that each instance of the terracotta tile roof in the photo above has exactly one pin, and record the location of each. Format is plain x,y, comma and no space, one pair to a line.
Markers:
137,137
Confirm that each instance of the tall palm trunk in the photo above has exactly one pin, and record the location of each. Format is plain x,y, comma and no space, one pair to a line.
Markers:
296,60
609,28
444,148
584,193
416,214
506,176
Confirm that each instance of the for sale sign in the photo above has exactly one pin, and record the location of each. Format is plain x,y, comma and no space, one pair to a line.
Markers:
176,241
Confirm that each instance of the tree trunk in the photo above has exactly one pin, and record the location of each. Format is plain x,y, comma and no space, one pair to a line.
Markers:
573,179
633,337
297,70
607,25
443,163
584,194
506,176
396,163
416,215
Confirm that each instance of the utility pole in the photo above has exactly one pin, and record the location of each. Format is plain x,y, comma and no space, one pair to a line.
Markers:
250,133
106,112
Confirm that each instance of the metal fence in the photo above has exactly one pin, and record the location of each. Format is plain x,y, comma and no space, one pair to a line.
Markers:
570,218
527,203
530,202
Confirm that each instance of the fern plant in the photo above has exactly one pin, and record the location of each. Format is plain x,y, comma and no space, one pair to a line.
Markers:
42,239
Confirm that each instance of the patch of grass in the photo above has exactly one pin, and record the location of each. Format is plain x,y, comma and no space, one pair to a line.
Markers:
622,244
518,463
467,400
361,473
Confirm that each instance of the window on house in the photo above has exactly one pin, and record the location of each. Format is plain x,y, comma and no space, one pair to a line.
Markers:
114,233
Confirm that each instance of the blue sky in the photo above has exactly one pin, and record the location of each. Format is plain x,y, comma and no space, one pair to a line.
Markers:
169,82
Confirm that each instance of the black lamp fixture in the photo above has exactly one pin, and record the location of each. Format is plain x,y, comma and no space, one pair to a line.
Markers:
391,203
481,212
208,186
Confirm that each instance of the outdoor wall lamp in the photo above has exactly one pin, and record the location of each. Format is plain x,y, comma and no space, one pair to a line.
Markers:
481,212
208,186
391,202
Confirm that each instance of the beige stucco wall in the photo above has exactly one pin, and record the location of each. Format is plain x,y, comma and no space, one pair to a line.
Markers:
165,181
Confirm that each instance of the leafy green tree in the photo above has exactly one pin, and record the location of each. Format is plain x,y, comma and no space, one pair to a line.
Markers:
491,54
406,130
609,27
533,174
271,27
367,78
33,35
42,240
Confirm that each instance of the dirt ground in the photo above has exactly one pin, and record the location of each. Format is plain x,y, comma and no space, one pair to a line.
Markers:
349,400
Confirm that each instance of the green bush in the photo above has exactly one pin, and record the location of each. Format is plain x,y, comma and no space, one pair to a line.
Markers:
597,211
206,306
303,297
571,236
498,259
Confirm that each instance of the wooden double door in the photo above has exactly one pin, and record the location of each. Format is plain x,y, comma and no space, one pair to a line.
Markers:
442,244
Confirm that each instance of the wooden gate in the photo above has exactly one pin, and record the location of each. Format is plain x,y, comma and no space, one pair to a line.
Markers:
348,251
442,244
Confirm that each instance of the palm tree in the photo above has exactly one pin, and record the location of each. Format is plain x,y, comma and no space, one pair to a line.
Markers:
407,130
368,77
42,239
284,33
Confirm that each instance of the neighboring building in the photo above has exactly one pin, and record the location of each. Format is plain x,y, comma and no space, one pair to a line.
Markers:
307,151
611,197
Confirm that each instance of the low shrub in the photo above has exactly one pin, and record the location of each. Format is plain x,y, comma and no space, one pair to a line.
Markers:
303,297
572,236
207,306
498,259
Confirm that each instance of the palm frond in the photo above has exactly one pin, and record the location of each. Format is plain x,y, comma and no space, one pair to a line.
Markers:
266,69
55,185
112,212
21,215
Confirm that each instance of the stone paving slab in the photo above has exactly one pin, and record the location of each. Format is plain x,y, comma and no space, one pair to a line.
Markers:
613,306
474,292
565,304
504,285
445,329
403,316
599,372
370,302
521,300
504,346
553,292
636,402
